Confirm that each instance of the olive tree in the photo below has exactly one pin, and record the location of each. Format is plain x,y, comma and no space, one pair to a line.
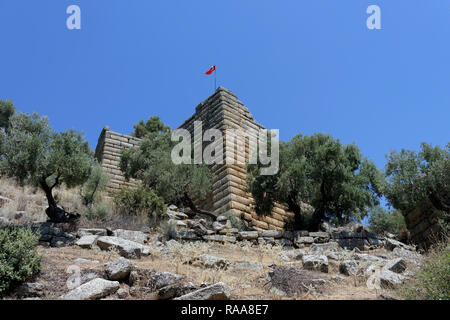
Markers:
32,153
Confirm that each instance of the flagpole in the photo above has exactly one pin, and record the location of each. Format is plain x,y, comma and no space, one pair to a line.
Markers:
215,86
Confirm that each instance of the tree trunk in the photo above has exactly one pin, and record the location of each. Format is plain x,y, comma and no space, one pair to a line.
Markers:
55,213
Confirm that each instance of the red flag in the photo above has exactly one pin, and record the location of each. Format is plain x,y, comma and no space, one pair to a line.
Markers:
213,68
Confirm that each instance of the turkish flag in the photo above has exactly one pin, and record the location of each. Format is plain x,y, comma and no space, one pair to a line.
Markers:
213,68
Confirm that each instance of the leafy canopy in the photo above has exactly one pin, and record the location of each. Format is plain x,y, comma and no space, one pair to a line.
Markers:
6,111
182,184
152,125
33,153
417,179
333,178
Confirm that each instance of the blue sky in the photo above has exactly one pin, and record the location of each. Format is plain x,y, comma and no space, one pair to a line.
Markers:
299,66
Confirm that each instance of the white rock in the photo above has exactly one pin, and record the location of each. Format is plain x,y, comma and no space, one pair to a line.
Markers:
94,289
87,242
118,269
218,291
315,262
136,236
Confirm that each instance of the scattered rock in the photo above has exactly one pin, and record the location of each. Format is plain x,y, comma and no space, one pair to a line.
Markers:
396,265
218,291
122,293
94,289
338,279
136,236
126,248
30,289
299,241
248,265
87,242
91,232
291,255
324,248
209,261
85,261
349,267
118,270
175,290
390,280
248,235
315,262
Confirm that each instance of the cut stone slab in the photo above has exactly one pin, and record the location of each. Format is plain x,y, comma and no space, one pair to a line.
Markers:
390,280
92,290
291,255
303,240
276,234
315,262
126,248
93,231
209,261
220,238
323,248
118,270
87,242
218,291
248,235
396,265
85,261
136,236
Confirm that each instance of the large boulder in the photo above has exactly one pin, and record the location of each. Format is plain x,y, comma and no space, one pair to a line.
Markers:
94,289
389,279
136,236
118,270
324,248
315,262
396,265
87,242
218,291
126,248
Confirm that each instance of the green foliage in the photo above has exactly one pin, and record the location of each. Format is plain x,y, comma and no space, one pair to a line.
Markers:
382,220
432,281
318,170
151,163
235,221
19,260
98,211
34,154
92,189
152,125
420,180
139,201
6,111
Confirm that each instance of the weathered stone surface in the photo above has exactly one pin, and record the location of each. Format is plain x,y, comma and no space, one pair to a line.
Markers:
126,248
396,265
221,219
291,255
338,279
408,254
391,244
118,270
85,261
176,215
315,262
175,290
276,234
248,235
87,242
89,232
209,261
188,235
122,293
248,265
324,235
30,289
136,236
94,289
231,231
349,267
389,279
324,248
303,240
368,258
218,291
217,226
351,243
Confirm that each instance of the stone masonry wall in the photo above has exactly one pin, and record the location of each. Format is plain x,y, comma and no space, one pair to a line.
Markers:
109,146
222,110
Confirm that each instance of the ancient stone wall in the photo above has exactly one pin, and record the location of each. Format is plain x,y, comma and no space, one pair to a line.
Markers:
222,111
109,146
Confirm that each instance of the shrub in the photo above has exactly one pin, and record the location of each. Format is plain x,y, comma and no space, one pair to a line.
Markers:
382,220
139,201
235,221
98,211
432,281
19,260
92,189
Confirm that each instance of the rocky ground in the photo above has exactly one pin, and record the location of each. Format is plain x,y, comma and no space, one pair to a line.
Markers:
209,259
